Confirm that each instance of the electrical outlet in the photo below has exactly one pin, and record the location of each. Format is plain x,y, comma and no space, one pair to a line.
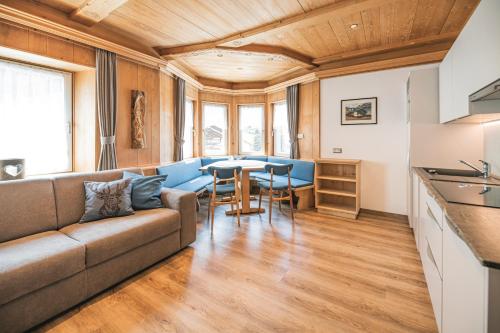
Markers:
337,150
300,136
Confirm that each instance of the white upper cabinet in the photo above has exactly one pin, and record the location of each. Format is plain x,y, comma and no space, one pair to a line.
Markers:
472,63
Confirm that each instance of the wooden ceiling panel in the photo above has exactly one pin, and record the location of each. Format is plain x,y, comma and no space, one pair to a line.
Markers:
430,17
371,25
240,67
459,14
194,31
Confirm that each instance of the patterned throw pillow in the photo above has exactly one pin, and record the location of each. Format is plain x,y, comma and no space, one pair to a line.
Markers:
103,200
146,190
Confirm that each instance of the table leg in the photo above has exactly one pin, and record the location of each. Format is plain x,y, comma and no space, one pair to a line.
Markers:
245,196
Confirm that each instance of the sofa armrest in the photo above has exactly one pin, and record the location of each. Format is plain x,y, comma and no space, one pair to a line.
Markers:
185,203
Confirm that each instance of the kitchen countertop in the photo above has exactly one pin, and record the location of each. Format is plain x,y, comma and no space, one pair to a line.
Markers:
479,227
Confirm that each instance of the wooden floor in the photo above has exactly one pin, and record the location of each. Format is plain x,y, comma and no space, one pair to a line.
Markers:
321,275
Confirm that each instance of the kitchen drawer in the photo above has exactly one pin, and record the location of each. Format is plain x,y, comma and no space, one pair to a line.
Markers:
435,209
434,236
434,283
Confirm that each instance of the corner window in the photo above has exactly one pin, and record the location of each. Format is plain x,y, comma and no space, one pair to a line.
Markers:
187,147
281,139
251,129
36,117
214,129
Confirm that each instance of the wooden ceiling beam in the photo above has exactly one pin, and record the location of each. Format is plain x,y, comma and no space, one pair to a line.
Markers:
94,11
410,44
244,38
272,49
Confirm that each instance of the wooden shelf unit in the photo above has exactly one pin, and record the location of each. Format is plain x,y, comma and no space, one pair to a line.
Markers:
337,187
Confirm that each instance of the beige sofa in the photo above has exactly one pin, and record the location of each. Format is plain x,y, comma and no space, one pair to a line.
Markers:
49,262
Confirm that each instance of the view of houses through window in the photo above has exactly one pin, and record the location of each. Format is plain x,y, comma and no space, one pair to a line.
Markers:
251,129
36,117
187,147
214,129
280,129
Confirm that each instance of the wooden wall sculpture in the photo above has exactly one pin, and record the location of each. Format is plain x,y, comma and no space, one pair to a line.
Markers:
138,116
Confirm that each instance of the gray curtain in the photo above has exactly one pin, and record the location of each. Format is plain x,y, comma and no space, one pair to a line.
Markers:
179,117
106,107
292,104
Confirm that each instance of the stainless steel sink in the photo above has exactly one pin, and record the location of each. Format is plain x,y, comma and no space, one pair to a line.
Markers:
452,172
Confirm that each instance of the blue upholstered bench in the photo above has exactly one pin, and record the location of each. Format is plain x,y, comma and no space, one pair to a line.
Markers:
301,177
186,175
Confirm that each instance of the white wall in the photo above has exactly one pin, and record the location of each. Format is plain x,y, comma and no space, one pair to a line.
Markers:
492,146
383,148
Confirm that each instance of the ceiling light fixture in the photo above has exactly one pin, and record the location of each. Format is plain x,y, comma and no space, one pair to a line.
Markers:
236,43
240,68
354,26
220,55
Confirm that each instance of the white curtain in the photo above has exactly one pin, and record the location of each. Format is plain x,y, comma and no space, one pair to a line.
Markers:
35,117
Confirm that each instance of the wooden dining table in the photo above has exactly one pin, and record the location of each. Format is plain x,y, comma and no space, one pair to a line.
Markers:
247,166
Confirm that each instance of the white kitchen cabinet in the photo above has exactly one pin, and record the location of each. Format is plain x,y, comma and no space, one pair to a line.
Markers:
446,112
472,62
465,295
464,287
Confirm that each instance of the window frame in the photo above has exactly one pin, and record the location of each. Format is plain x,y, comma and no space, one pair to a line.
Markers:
203,103
263,151
192,101
287,154
69,84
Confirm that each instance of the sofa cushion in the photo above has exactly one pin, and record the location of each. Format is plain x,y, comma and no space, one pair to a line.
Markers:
107,199
26,207
209,160
108,238
296,183
70,193
197,184
262,158
180,172
146,190
30,263
303,170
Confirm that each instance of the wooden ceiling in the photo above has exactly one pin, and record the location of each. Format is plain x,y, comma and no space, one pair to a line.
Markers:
261,40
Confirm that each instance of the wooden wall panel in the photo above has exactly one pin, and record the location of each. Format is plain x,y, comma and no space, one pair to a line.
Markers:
59,48
85,124
133,76
14,36
34,41
309,99
127,80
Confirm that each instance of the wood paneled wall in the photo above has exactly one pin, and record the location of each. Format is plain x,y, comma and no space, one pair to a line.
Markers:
308,117
309,121
26,39
232,102
133,76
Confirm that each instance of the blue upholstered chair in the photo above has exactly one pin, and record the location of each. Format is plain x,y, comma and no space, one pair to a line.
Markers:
231,187
278,187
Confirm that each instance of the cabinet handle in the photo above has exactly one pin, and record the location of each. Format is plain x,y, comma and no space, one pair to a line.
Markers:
431,256
431,215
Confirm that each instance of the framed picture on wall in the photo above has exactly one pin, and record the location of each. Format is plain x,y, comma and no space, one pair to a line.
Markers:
359,111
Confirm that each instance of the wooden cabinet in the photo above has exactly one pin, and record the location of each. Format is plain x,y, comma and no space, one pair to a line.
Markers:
337,187
471,63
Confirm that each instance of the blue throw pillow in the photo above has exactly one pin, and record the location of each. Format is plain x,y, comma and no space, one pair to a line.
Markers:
146,191
111,199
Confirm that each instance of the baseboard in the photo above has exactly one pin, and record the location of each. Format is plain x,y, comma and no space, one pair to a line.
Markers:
399,217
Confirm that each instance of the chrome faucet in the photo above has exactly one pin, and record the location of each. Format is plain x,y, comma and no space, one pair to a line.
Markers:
485,172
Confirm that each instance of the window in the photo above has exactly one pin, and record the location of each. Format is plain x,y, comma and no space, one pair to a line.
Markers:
280,129
214,129
35,117
187,147
251,129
